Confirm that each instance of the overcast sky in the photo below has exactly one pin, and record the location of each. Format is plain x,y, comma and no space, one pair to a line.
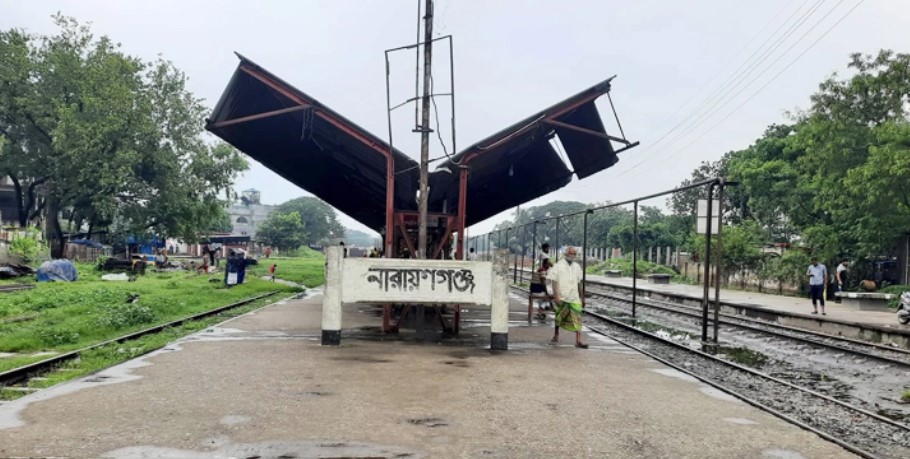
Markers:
513,58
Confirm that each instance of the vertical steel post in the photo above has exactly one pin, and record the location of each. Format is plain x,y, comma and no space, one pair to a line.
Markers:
534,248
719,264
707,269
584,257
635,260
524,248
556,240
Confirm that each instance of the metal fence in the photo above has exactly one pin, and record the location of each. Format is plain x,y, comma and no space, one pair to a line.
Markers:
523,242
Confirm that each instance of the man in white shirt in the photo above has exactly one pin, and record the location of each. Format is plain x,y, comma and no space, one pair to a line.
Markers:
566,277
817,276
471,255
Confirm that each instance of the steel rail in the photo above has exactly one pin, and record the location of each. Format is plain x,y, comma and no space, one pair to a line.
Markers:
25,372
767,328
750,401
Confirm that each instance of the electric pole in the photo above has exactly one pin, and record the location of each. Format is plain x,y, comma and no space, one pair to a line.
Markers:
425,131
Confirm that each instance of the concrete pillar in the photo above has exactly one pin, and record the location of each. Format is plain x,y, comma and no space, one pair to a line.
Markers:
499,306
651,253
331,299
657,260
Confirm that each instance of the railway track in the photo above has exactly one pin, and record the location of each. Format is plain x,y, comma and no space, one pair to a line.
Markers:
15,287
860,431
24,373
887,354
856,429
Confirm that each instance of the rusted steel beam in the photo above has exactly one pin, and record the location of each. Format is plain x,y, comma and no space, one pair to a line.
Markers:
450,226
325,116
257,116
572,127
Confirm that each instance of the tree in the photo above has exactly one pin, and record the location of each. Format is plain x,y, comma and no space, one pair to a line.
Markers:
284,231
319,219
116,140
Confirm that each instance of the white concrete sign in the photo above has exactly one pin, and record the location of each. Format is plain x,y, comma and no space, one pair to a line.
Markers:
383,280
419,283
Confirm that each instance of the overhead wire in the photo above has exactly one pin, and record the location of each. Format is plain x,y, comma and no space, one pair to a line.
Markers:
678,151
779,73
729,63
697,116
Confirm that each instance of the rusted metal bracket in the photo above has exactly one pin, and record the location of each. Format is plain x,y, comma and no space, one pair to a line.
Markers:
586,131
258,116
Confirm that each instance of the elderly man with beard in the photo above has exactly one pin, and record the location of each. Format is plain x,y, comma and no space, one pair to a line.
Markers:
566,278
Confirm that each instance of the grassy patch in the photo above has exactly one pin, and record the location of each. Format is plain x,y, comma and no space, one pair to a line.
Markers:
743,356
68,316
112,354
905,396
308,270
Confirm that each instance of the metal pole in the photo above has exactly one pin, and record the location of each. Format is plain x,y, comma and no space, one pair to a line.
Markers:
635,260
707,270
425,132
584,257
524,237
534,248
556,239
720,256
509,247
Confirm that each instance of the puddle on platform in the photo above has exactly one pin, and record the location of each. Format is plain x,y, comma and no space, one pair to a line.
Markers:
233,419
714,392
271,449
741,421
781,454
675,374
10,411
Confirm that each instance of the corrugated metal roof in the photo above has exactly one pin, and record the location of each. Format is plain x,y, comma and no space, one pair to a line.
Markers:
331,157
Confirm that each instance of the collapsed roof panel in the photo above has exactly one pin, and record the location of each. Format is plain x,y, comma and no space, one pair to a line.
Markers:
329,156
310,145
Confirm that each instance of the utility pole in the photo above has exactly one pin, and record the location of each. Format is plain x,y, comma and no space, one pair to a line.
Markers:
425,131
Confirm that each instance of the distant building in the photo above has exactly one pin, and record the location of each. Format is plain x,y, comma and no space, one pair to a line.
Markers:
248,213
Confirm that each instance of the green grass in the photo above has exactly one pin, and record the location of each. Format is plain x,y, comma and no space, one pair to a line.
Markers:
60,317
112,354
905,396
308,270
744,356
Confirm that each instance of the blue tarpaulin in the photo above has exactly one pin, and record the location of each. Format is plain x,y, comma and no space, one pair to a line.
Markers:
57,270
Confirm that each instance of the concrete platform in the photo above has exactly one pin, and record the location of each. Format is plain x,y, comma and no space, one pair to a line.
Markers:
790,304
261,385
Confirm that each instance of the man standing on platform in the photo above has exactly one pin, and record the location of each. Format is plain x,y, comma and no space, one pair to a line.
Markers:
818,275
566,277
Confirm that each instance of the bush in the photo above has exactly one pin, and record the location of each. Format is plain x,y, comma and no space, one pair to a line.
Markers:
53,337
125,315
303,252
895,290
28,246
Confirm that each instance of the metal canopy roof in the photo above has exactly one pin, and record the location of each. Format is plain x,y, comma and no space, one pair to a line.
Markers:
326,154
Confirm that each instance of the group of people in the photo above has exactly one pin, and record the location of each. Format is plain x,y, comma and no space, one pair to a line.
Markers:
560,284
818,277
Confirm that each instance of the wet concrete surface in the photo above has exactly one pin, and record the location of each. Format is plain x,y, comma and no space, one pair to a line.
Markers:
261,385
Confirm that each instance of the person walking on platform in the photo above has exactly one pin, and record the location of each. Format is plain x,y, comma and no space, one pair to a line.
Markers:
566,278
841,276
471,255
539,287
818,275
